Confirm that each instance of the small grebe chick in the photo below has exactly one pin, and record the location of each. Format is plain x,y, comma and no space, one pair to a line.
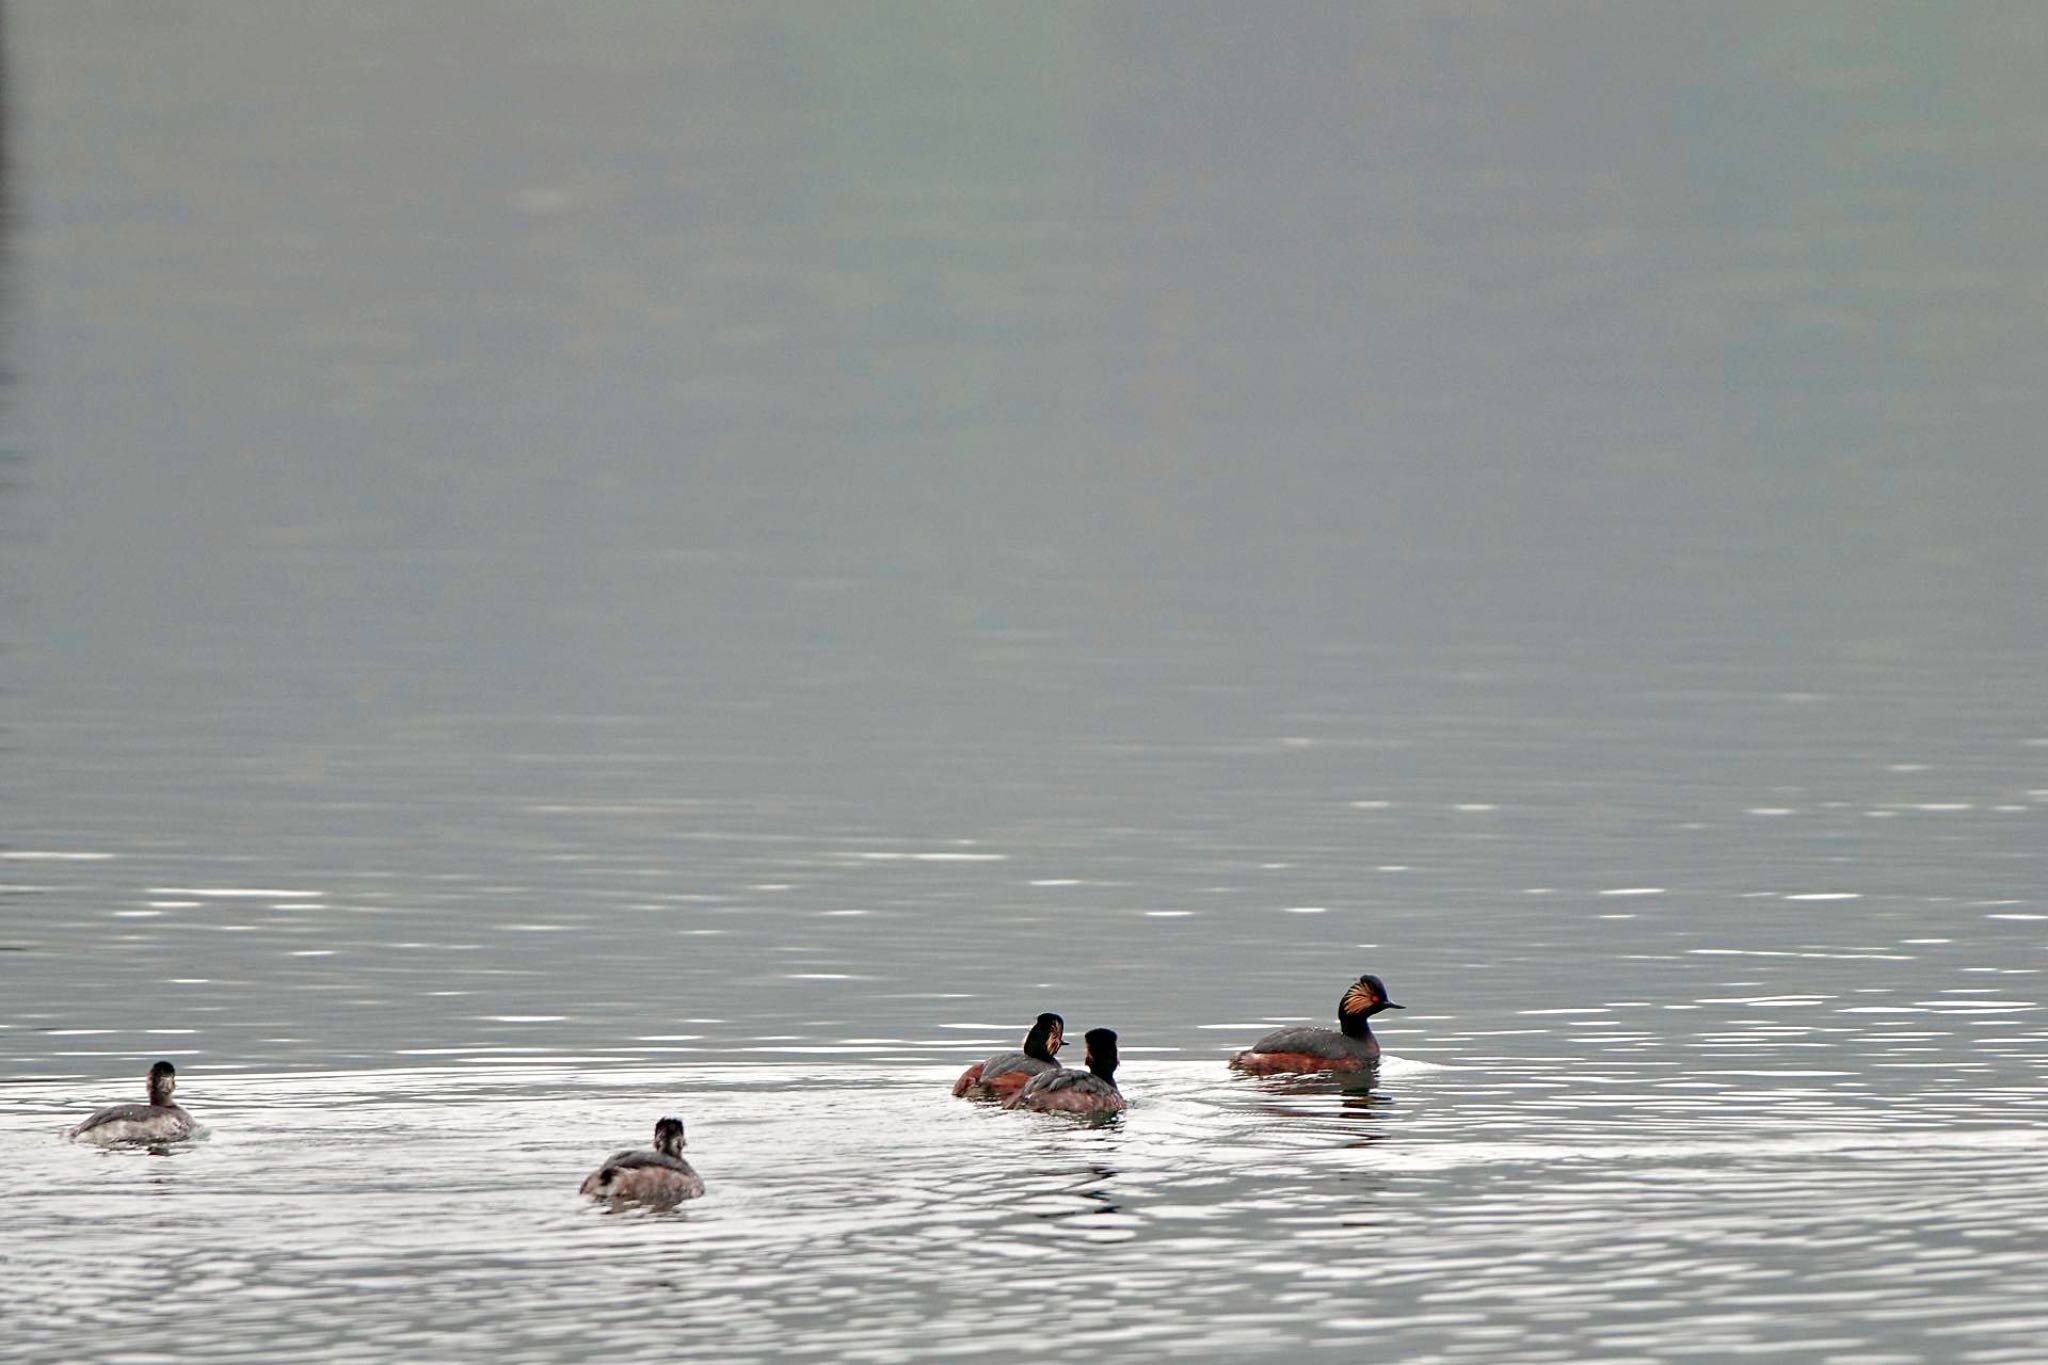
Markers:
660,1176
1004,1074
1348,1047
1077,1092
158,1121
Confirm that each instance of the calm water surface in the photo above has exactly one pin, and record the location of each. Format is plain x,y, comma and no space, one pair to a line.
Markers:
1493,1212
561,565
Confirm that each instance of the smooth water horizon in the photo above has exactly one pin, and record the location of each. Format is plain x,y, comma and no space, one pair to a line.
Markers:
558,566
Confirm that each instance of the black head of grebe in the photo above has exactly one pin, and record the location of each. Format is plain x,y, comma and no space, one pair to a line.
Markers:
1101,1053
1000,1075
163,1079
668,1137
1366,997
1047,1035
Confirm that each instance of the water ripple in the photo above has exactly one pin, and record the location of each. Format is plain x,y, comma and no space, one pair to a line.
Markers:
864,1214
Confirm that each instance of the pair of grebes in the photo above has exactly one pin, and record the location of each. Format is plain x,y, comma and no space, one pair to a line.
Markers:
1030,1078
656,1176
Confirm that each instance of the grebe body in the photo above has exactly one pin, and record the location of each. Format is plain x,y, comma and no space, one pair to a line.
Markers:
160,1120
1069,1091
1004,1074
1348,1047
648,1176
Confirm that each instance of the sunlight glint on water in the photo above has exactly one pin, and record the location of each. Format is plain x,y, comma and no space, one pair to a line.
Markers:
869,1215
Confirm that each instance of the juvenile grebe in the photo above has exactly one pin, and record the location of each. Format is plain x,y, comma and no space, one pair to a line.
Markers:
1349,1047
1077,1092
158,1121
1002,1075
660,1176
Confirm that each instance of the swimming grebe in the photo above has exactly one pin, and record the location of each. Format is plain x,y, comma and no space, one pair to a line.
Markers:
1349,1047
1077,1092
158,1121
1002,1075
660,1176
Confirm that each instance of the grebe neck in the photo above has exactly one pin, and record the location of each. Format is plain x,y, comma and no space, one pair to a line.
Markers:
1102,1054
163,1081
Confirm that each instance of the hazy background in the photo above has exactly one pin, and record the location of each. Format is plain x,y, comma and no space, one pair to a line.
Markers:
562,563
829,523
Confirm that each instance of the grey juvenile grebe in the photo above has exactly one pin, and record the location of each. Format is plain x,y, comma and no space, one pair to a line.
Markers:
1349,1047
1077,1092
158,1121
1002,1075
660,1176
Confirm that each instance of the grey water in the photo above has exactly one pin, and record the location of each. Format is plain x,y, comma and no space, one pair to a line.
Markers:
559,564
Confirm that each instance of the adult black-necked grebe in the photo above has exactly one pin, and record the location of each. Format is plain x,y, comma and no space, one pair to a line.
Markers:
158,1121
1348,1047
1077,1092
660,1176
1002,1075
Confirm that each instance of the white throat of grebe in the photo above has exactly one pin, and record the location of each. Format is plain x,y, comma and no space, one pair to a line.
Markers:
163,1081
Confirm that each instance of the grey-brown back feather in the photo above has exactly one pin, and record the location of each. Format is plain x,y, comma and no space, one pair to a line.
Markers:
1314,1042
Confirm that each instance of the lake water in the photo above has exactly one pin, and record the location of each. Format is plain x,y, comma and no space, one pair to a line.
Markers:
562,565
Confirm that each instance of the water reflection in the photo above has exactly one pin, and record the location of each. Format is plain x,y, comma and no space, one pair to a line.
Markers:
1083,1203
1347,1101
